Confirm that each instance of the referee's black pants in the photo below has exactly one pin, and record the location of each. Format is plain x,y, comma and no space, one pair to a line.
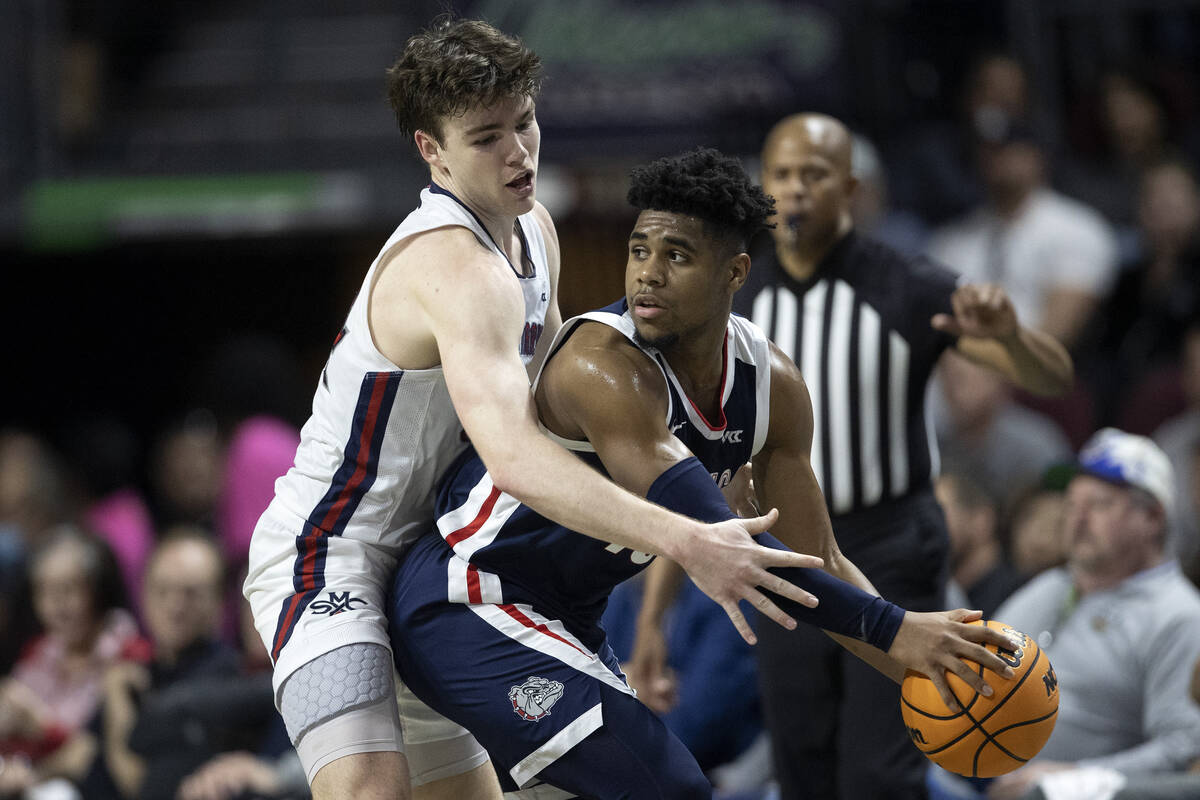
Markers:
835,724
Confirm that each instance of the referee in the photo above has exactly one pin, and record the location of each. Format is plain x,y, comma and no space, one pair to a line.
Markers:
866,326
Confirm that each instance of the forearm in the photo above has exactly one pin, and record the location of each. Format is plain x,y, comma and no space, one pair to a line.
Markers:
558,485
663,580
72,760
125,767
844,568
1040,363
844,609
1032,359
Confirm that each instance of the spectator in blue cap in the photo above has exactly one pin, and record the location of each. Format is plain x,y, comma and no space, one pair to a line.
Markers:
1121,624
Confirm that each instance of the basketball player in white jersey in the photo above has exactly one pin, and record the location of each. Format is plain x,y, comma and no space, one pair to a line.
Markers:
436,350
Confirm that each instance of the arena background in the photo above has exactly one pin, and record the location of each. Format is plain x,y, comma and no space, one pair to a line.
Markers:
179,175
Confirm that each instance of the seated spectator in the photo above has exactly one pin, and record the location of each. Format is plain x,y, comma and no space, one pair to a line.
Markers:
933,166
1121,625
185,472
1141,327
979,570
156,724
1055,256
55,687
105,454
1035,535
1003,446
33,486
1179,437
1128,130
273,770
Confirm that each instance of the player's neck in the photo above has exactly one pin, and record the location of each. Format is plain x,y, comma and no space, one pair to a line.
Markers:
502,228
503,231
698,361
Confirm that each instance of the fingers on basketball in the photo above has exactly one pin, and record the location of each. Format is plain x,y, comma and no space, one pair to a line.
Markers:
985,736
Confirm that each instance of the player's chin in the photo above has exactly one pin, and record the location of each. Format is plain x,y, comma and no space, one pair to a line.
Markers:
650,335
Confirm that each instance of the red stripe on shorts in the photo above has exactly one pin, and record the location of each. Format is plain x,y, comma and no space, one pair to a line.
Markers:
516,614
484,512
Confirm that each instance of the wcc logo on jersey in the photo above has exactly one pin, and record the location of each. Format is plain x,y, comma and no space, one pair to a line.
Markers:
533,698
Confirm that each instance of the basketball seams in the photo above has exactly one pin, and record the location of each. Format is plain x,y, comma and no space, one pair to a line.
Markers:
955,750
991,738
977,725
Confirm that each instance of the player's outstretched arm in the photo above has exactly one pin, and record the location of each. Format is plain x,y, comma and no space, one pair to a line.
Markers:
601,389
930,643
990,334
448,289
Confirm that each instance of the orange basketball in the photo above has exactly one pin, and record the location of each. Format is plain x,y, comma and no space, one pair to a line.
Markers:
990,735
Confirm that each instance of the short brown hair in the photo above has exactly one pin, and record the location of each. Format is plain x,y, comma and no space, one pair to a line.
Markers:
456,64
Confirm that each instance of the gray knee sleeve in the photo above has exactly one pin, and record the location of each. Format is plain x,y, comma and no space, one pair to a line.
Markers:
341,680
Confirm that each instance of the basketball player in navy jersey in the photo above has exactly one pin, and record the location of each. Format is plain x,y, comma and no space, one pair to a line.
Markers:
495,616
438,342
866,326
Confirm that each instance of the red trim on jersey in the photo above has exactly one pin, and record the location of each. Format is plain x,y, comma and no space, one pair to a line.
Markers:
720,391
285,628
474,593
362,459
471,529
516,614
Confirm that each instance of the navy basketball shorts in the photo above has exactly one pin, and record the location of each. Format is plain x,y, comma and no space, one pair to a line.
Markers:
546,707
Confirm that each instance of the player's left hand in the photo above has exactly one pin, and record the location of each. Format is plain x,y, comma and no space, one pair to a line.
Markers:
647,670
980,310
1016,784
935,642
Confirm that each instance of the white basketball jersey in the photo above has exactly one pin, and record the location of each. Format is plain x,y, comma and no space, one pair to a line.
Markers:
379,435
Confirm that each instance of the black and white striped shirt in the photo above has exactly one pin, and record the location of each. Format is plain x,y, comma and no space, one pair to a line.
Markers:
859,331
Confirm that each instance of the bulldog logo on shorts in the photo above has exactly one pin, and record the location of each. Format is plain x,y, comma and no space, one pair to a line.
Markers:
533,698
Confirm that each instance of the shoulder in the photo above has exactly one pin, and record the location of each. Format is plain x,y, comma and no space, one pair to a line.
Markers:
1178,433
440,264
542,217
1058,214
958,231
439,248
880,265
598,356
1043,594
597,377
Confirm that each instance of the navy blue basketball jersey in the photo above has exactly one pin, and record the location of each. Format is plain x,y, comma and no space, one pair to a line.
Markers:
506,553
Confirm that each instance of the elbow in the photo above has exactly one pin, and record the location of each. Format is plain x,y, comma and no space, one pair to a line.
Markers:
508,474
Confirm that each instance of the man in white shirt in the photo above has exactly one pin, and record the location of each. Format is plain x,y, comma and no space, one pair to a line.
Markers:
1055,256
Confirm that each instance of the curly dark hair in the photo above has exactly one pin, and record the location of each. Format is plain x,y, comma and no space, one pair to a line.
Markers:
456,64
707,184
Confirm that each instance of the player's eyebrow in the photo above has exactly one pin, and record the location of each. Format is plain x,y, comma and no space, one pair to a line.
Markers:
492,126
679,242
674,240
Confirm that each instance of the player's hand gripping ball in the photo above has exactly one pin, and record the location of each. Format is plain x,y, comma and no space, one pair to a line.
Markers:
989,736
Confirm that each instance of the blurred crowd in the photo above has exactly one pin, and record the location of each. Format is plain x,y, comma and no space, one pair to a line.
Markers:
131,665
131,670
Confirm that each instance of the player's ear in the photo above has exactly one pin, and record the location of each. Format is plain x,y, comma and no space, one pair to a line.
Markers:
429,148
851,186
739,269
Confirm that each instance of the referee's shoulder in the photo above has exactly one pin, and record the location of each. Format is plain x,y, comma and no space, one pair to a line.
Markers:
917,267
